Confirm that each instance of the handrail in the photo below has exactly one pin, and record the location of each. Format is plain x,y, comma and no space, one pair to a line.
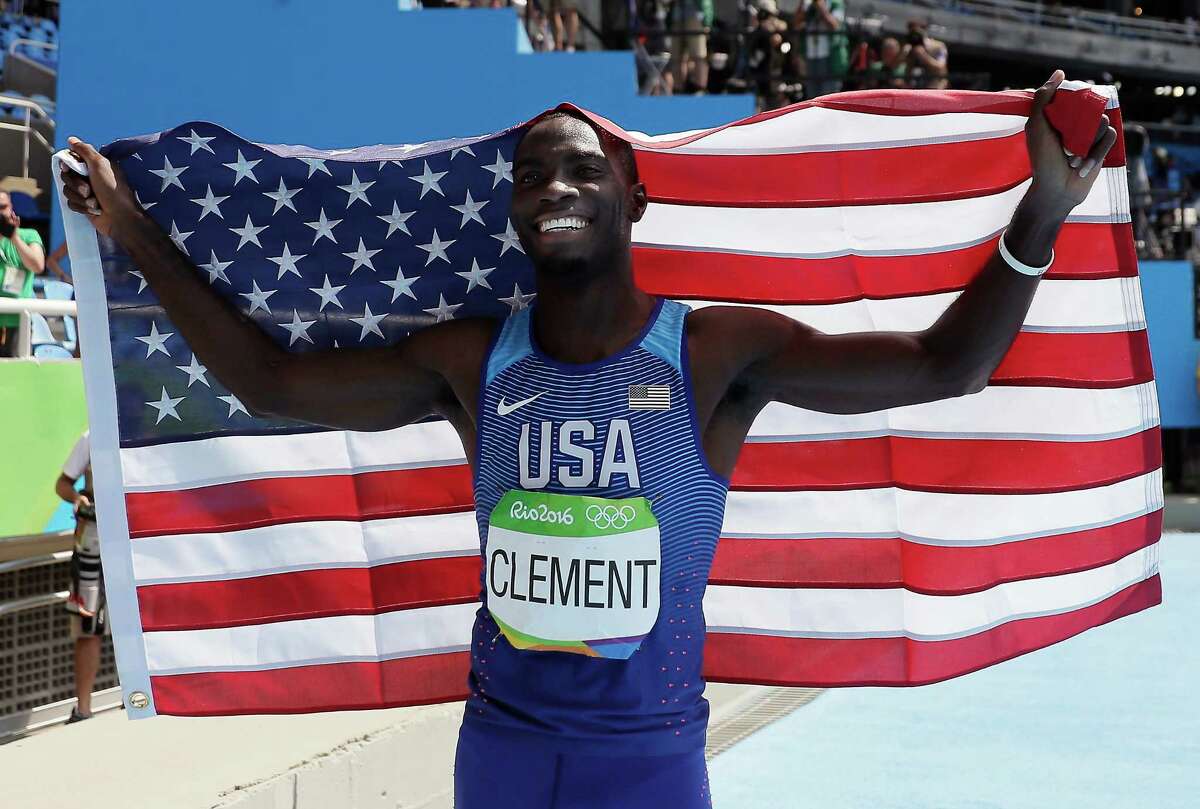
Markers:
34,546
50,46
43,306
18,101
12,51
24,307
35,561
31,108
32,603
1180,129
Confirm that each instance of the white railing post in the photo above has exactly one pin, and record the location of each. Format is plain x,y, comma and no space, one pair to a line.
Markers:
24,336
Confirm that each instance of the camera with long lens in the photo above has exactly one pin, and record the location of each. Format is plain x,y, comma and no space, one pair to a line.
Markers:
916,38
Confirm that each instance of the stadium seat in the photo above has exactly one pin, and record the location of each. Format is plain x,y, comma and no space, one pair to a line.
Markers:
45,346
40,329
72,336
61,291
51,351
58,290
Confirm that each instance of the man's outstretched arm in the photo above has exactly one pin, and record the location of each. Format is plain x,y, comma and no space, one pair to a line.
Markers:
368,389
858,373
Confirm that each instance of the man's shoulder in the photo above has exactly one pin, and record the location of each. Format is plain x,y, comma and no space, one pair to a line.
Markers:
458,344
720,316
30,236
733,331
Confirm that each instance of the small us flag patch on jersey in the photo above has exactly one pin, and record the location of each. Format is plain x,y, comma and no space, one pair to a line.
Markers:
649,397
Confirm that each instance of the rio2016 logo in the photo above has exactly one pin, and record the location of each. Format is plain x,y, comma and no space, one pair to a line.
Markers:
605,517
540,512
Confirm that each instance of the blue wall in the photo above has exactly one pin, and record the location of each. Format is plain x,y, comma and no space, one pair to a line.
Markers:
335,75
1168,298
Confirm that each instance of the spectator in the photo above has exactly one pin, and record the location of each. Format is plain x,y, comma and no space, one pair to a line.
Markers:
1141,200
564,11
691,20
891,70
537,27
826,49
650,28
797,68
22,256
862,54
86,603
926,58
762,54
52,263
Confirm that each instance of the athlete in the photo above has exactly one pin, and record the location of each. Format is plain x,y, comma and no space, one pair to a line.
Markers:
602,426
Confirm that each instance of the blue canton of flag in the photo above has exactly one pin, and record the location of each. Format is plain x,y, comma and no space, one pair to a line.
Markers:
322,249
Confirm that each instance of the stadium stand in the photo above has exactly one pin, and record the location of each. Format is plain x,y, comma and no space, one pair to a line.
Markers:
28,80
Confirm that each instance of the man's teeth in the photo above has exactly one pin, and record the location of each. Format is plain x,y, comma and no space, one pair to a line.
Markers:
564,223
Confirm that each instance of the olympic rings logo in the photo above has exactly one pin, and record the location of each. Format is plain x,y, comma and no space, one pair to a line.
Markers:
606,517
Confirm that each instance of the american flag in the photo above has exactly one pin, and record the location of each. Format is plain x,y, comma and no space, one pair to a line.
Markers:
265,566
649,397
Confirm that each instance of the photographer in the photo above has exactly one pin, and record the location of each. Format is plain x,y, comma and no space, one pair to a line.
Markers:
86,603
890,70
22,255
763,54
926,58
826,48
690,20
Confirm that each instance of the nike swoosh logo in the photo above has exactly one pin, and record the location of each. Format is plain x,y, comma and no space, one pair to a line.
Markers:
503,409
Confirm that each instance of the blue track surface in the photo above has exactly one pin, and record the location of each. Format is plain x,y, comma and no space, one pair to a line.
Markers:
1110,718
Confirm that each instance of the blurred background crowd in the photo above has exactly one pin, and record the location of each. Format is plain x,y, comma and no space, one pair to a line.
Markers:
786,51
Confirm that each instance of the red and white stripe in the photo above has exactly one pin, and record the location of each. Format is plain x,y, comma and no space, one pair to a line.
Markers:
329,570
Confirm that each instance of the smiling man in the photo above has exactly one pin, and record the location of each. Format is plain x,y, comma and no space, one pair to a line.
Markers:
602,426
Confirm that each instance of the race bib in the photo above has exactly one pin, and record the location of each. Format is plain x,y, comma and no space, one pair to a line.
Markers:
566,573
13,281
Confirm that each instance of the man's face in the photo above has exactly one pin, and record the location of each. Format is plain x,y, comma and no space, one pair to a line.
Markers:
6,211
571,205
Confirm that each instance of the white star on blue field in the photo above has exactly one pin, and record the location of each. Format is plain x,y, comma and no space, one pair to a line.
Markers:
321,249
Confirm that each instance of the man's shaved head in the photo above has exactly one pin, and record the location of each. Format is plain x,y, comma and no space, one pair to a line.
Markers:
620,149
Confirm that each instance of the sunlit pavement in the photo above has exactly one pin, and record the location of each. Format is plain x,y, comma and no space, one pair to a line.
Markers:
1110,718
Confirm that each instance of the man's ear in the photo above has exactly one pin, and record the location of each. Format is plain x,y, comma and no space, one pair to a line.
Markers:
637,201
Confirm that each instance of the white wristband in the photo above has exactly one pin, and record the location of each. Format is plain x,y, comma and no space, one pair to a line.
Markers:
1018,266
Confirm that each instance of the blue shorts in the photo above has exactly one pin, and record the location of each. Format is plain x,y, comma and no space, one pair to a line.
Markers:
492,773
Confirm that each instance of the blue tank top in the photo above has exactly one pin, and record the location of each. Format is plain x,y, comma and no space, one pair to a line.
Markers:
623,427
